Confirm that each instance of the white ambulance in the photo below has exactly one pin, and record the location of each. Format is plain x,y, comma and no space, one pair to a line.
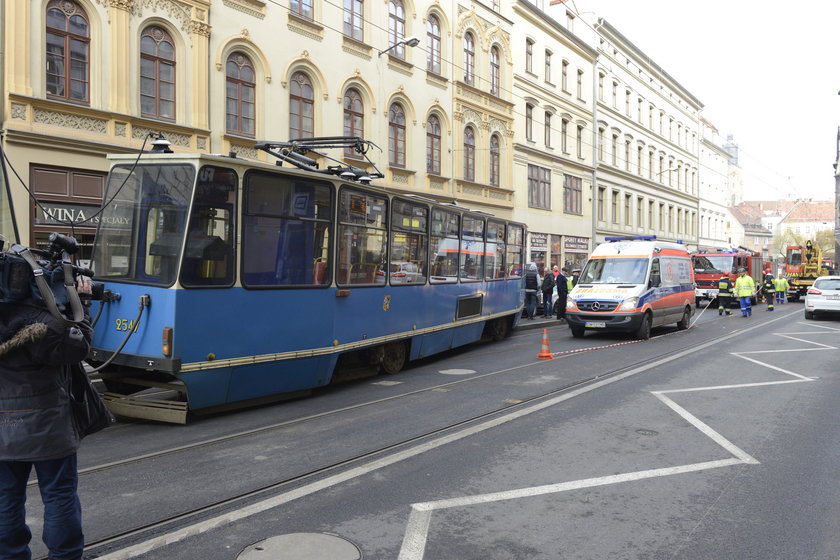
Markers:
632,284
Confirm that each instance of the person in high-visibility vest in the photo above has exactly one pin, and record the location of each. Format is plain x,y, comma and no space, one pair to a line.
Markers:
724,294
769,290
744,291
782,287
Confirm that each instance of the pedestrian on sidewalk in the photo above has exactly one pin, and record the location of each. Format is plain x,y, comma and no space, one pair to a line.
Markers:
563,282
547,288
531,288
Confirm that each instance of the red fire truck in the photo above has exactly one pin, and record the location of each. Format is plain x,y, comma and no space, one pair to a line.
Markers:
711,264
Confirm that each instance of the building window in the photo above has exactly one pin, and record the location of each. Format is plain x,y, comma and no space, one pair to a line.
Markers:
157,74
469,154
68,52
301,106
615,95
564,136
580,84
354,117
572,195
396,28
651,205
601,209
539,187
396,135
627,155
640,212
615,150
302,8
614,207
433,44
580,141
495,78
529,122
469,58
529,56
240,95
495,162
547,129
354,19
564,76
600,87
628,216
600,144
433,145
548,66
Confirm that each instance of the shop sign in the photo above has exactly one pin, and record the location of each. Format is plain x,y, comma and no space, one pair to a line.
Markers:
579,243
57,214
539,240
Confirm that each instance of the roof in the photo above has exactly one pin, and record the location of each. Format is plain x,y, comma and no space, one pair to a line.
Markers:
750,218
811,212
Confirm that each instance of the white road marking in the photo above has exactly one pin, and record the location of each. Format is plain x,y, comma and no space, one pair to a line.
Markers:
414,541
308,489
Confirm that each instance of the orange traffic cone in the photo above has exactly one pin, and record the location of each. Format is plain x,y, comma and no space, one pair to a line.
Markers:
545,353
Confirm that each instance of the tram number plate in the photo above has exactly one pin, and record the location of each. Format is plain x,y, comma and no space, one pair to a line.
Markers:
596,324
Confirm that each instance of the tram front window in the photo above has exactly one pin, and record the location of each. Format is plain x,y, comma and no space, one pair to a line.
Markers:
141,229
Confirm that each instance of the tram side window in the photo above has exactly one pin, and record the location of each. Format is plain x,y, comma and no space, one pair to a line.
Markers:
472,250
409,240
514,254
444,246
209,254
285,231
362,238
494,267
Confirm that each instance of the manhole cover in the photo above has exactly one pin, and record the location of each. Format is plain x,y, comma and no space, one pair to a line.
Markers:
643,432
302,546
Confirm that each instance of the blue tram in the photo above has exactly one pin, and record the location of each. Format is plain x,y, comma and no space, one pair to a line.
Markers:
235,282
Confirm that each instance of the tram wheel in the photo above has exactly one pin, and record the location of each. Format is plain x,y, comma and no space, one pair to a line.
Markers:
393,358
500,329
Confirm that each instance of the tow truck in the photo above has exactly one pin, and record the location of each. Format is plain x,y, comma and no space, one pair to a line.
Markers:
803,265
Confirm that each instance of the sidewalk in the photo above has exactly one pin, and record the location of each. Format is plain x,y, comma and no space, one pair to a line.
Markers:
539,322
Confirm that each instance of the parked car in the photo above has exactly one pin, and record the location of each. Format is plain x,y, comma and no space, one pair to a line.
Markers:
823,296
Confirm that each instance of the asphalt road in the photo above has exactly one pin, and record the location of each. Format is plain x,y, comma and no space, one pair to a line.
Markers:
715,442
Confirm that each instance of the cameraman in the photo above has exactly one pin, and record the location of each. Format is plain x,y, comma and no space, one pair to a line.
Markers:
36,427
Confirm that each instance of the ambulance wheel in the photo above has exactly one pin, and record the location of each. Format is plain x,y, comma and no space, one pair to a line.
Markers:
578,332
393,358
683,323
643,333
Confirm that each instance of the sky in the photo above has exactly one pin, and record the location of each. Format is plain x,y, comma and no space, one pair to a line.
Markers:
767,72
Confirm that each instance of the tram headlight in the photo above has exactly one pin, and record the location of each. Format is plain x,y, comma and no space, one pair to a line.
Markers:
629,304
166,342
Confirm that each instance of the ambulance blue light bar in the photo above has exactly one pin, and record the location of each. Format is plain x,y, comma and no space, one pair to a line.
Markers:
628,238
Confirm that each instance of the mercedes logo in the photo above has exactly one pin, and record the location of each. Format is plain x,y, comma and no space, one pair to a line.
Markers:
595,306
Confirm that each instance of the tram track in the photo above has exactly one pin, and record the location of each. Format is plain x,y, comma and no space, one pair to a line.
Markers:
118,540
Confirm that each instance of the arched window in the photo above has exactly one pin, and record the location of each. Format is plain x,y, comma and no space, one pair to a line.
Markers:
241,84
433,44
494,71
396,135
433,145
469,154
494,160
396,27
301,106
354,117
529,122
353,20
469,58
157,74
68,51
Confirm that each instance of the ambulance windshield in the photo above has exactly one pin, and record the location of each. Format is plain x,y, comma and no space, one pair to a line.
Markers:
615,270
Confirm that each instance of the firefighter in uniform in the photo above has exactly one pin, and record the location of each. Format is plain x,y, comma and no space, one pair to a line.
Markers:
781,289
769,290
724,294
744,290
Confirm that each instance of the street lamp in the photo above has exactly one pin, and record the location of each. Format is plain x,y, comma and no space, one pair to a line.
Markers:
409,41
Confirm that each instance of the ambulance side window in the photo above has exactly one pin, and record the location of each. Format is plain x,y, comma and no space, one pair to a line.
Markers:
655,277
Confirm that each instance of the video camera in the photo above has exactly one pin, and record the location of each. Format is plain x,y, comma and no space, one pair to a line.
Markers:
19,266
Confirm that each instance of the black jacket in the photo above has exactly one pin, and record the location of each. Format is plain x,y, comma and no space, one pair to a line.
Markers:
36,351
548,282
